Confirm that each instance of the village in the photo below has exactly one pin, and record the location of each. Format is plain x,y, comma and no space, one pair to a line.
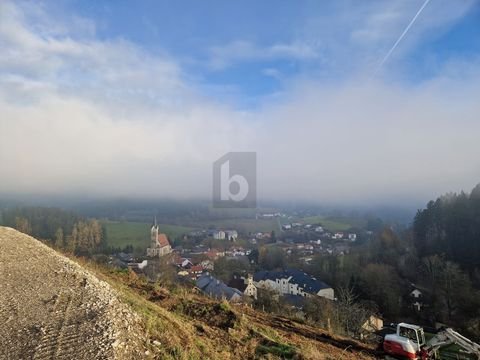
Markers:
197,264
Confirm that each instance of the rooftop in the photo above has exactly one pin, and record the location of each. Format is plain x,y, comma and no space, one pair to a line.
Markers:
307,282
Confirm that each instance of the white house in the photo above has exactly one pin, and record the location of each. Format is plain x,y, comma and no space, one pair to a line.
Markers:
352,237
219,235
416,294
245,285
231,235
294,282
251,289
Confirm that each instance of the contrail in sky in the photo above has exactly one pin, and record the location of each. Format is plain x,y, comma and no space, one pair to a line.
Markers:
403,35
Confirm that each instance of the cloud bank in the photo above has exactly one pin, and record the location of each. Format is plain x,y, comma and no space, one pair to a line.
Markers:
88,116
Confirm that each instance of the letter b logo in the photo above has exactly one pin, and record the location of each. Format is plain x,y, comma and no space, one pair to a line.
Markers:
234,180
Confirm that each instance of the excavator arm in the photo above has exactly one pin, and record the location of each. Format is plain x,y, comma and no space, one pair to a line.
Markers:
449,336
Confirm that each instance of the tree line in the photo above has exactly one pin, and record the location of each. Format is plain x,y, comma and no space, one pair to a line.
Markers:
63,229
450,226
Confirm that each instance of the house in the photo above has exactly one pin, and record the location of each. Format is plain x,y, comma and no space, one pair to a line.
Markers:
218,289
416,294
207,265
352,237
138,266
338,235
195,271
293,282
182,262
319,229
219,235
214,254
417,299
244,285
286,227
159,245
372,324
186,264
231,235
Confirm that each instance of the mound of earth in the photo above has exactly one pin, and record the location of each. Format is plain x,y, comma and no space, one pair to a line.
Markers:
52,308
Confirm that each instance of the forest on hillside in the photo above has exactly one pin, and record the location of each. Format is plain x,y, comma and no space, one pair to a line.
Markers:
450,226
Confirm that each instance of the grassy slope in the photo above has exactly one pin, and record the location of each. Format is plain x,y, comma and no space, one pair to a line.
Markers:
185,325
121,234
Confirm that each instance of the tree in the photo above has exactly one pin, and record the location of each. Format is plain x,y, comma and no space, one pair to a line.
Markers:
450,287
273,236
59,238
267,300
23,225
271,257
321,312
382,284
226,268
451,226
351,314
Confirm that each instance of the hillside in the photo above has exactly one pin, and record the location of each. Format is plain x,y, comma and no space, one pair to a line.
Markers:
53,308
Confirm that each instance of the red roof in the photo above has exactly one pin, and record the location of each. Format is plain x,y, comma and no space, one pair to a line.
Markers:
178,260
196,268
212,254
162,240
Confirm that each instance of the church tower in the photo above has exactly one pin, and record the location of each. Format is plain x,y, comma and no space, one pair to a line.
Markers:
154,233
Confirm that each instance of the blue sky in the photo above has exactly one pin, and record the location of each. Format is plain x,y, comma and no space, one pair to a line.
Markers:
141,97
190,31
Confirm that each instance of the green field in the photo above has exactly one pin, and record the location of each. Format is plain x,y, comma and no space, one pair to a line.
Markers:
243,225
121,234
333,223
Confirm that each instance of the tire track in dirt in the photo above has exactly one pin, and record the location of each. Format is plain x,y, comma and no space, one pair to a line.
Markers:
61,335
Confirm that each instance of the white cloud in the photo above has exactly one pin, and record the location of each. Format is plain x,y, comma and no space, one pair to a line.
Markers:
240,51
105,117
272,72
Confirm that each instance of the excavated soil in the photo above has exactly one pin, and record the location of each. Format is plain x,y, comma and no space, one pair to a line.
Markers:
51,308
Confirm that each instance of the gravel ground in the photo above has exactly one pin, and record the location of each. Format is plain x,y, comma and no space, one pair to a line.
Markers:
52,308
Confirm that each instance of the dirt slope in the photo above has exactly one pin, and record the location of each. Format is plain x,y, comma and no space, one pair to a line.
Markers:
51,308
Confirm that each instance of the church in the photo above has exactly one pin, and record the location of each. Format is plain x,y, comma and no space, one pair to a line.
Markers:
159,244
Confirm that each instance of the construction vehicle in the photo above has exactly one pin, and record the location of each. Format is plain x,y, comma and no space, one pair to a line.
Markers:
409,342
